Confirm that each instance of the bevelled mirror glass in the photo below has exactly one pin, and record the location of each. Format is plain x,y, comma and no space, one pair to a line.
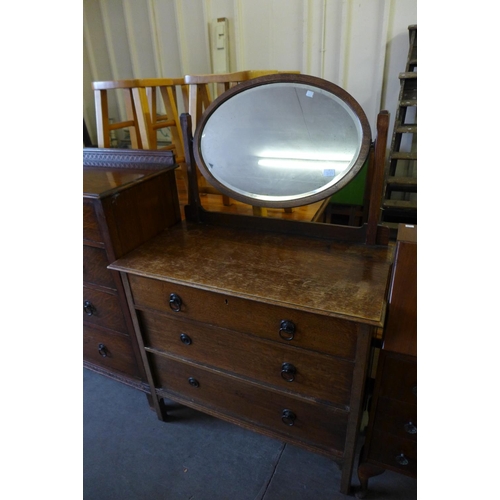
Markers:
282,140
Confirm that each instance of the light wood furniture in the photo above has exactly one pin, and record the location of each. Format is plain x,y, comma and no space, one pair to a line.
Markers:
149,97
103,124
263,322
128,197
391,441
200,95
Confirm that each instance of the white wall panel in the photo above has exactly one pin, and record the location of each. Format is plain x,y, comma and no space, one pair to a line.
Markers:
164,25
360,45
141,37
115,30
365,54
193,36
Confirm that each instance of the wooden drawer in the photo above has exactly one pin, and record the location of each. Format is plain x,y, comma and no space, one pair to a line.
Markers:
320,333
320,425
396,418
95,269
316,376
399,378
91,230
103,310
109,350
387,450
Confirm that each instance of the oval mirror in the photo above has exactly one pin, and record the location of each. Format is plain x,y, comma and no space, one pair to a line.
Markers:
282,140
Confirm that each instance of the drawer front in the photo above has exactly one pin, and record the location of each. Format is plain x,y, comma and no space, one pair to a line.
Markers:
313,375
103,309
399,378
95,269
112,351
91,230
318,425
320,333
397,454
396,418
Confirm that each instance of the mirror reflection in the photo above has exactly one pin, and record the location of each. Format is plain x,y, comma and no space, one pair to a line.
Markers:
280,143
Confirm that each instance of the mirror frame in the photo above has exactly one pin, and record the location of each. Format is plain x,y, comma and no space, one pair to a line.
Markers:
285,78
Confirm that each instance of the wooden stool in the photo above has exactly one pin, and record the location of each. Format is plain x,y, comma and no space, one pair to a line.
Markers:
103,124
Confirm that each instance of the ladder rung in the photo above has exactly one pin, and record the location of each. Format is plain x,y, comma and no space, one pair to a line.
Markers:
412,75
403,156
406,204
408,103
402,183
406,129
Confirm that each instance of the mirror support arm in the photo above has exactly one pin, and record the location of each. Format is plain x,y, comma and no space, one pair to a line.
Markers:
378,177
192,208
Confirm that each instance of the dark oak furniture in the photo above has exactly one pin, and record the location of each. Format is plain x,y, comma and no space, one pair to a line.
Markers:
266,323
128,197
391,441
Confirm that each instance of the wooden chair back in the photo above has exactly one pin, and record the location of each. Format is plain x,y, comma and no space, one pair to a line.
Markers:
155,101
201,95
103,124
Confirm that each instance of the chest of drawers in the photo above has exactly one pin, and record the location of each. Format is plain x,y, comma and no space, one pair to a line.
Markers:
391,441
127,198
268,331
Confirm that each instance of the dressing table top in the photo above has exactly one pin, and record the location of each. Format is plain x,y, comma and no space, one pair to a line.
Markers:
322,276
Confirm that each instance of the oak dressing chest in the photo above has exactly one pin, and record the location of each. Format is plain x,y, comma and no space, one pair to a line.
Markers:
266,323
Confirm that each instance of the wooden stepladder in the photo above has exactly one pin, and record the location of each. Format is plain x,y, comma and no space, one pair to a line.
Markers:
399,204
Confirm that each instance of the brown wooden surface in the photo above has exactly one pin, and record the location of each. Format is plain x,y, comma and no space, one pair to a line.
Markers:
335,279
315,332
394,402
128,196
107,311
318,425
401,329
318,377
95,271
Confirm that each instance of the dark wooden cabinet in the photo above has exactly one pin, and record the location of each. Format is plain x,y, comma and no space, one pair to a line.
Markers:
391,441
125,202
269,331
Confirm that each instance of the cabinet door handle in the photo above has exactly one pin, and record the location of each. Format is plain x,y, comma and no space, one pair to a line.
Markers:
401,459
288,417
410,428
288,372
287,329
89,308
175,302
103,351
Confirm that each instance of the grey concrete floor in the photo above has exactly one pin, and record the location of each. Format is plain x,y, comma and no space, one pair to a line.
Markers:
128,454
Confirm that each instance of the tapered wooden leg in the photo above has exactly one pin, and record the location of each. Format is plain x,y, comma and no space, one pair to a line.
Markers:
365,472
163,416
